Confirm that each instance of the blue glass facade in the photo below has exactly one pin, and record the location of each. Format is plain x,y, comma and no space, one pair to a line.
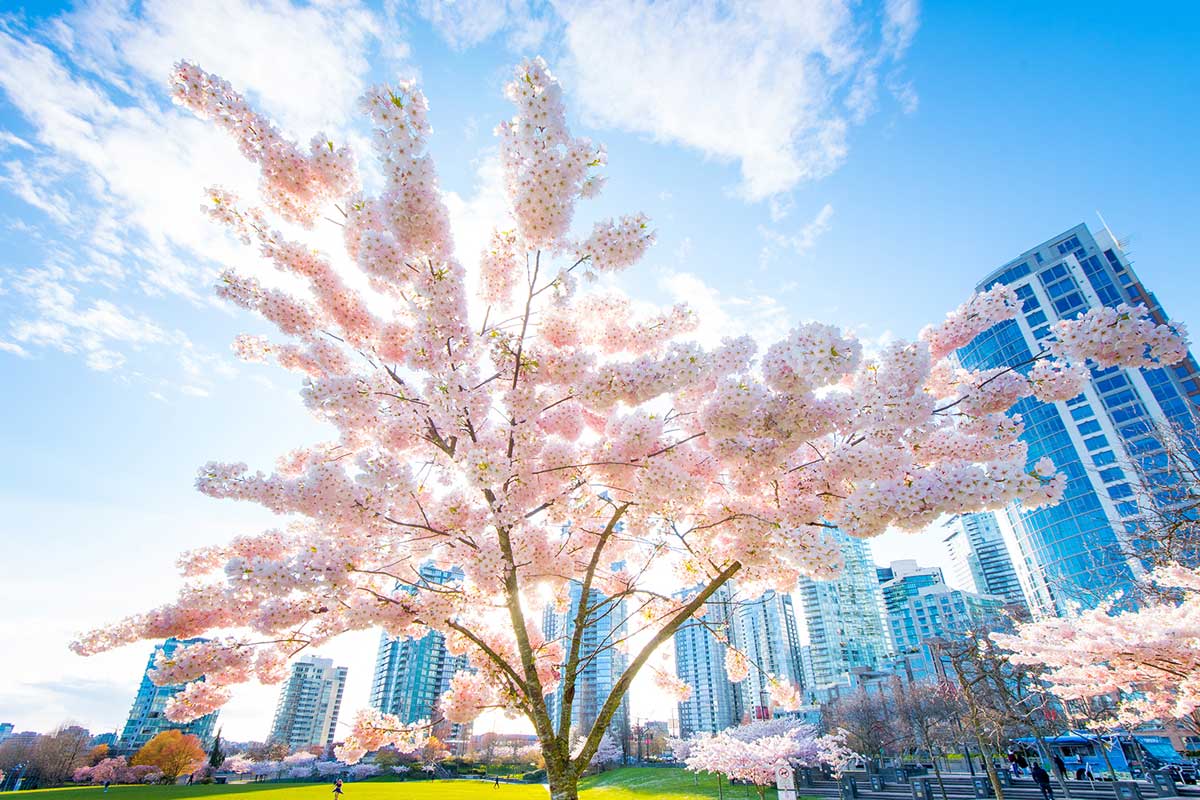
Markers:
899,583
411,674
764,629
715,704
980,559
147,717
1076,551
602,664
843,617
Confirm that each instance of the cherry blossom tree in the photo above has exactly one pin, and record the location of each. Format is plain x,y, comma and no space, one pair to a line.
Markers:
1149,657
753,752
529,428
609,752
238,764
363,771
117,770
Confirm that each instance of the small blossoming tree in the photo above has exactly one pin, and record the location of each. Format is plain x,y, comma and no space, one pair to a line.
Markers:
753,752
529,431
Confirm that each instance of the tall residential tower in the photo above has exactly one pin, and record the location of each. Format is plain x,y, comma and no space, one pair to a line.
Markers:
147,717
411,674
980,559
1079,550
602,662
763,628
309,702
843,616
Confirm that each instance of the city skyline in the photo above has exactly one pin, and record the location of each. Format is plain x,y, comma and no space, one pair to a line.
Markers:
118,308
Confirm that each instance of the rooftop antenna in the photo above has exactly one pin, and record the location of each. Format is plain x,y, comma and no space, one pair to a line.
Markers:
1111,235
1122,244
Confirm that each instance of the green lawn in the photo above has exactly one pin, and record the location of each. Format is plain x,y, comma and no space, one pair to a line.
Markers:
353,790
629,783
639,783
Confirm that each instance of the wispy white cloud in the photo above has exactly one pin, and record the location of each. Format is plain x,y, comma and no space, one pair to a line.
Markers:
464,23
13,348
900,23
9,139
797,242
119,170
20,183
763,316
762,83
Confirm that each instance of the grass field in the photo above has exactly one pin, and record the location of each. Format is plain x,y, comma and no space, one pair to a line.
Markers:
641,783
356,790
629,783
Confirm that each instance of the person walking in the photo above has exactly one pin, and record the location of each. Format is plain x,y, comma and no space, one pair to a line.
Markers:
496,785
1012,764
106,785
1042,779
337,789
1060,767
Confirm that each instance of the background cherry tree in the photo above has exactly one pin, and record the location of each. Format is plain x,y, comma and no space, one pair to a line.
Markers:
1149,658
753,752
530,427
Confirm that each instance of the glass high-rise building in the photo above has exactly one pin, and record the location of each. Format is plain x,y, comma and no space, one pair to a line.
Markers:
767,634
309,703
715,703
938,610
765,630
601,663
899,582
147,717
1079,550
843,616
980,559
411,674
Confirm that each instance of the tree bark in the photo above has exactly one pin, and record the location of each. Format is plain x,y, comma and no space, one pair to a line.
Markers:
565,788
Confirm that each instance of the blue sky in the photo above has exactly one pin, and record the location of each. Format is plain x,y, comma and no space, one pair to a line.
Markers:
862,165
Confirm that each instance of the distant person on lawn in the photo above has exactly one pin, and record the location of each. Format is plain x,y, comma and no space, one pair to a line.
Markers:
337,789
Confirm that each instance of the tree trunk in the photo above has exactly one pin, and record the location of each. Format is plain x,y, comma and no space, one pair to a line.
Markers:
937,770
564,785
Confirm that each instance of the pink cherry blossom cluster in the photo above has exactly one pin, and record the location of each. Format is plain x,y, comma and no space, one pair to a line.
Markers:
1055,380
753,752
294,184
468,695
373,729
971,319
1122,336
545,168
1151,656
239,764
785,695
737,666
613,246
196,700
116,770
672,685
